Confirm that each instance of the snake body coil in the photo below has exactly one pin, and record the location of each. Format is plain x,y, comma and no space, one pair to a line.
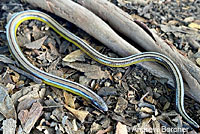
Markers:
76,88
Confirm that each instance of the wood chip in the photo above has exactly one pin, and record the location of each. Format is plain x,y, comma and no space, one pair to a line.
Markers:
146,110
121,105
6,104
80,114
95,127
25,104
9,126
5,59
28,119
157,127
121,129
23,116
10,87
30,92
28,75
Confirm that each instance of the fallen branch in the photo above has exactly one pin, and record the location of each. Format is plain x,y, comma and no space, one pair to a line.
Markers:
88,21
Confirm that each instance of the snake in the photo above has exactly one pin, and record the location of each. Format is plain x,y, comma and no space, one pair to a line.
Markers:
76,88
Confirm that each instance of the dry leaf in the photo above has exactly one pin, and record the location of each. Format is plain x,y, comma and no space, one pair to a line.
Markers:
121,129
91,71
69,99
118,76
53,49
77,55
166,106
36,44
198,61
80,114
